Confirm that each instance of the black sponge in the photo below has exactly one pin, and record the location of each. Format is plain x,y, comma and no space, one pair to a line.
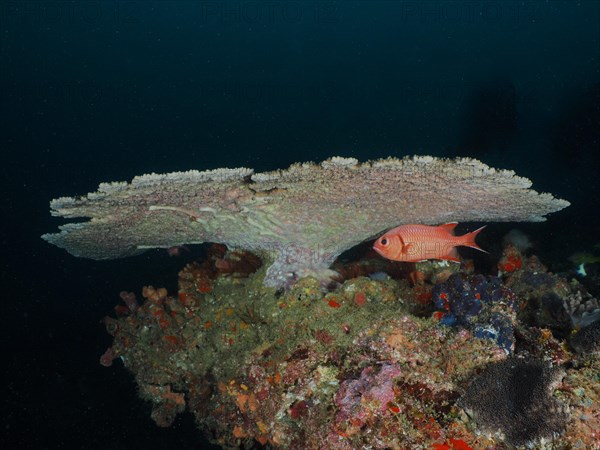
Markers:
514,397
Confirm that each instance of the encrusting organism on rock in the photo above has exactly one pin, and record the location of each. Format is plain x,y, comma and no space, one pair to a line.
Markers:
514,398
354,367
481,304
586,341
299,219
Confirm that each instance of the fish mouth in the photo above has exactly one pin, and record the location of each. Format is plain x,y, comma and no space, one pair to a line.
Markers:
378,250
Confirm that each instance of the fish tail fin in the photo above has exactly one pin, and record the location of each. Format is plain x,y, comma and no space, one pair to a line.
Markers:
468,240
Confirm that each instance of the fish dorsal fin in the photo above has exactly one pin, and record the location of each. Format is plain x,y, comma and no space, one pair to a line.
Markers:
449,227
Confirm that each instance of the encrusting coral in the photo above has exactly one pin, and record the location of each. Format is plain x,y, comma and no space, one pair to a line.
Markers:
300,219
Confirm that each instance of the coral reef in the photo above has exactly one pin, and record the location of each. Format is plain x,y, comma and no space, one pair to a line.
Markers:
514,397
354,367
481,304
511,261
582,308
580,390
587,267
299,219
587,340
546,300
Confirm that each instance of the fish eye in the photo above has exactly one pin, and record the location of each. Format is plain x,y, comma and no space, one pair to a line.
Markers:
384,241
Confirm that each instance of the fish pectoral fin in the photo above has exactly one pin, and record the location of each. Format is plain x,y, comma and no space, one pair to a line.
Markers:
406,249
453,255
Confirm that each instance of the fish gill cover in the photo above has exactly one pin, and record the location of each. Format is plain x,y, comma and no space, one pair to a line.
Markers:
300,219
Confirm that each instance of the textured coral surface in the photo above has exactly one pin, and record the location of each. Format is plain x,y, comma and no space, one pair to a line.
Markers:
514,398
301,217
371,364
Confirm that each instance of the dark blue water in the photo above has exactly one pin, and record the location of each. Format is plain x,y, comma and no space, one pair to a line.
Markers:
106,90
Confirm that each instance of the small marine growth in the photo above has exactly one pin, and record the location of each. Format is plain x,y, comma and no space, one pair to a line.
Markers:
392,355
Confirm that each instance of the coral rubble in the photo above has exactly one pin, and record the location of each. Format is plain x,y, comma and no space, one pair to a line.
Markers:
300,218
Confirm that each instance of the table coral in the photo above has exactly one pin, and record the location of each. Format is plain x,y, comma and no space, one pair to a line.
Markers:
300,218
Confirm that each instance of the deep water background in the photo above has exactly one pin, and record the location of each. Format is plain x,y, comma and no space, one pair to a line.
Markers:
106,90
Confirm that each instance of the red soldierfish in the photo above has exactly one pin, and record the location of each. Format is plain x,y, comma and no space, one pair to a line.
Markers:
414,243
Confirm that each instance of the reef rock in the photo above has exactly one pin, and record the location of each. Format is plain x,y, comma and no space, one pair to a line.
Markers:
481,304
300,218
586,341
